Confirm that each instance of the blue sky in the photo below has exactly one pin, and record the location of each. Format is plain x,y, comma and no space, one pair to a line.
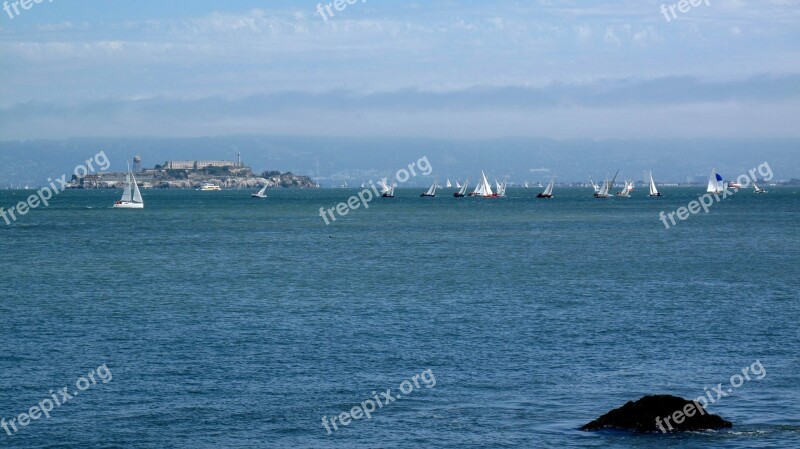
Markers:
445,69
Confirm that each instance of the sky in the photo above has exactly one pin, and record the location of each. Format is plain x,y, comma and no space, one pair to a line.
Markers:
440,69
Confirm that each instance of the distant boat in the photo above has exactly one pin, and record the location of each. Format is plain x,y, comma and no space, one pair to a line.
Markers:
362,185
462,190
131,197
594,186
501,188
714,182
526,185
209,187
261,193
603,192
548,191
758,189
626,190
344,185
431,191
449,186
653,190
387,191
483,189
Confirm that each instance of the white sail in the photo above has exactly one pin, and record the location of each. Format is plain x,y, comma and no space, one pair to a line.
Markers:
713,184
653,189
483,188
137,195
431,190
448,183
384,187
458,186
594,186
126,194
549,189
464,188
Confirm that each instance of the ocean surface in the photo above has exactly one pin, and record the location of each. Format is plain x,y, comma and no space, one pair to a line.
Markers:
226,321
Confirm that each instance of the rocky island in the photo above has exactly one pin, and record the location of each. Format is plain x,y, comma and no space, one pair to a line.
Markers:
192,175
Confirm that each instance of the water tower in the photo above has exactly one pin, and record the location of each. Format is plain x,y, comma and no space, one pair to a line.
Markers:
137,164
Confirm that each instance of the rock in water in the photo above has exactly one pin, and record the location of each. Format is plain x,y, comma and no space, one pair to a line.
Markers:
658,413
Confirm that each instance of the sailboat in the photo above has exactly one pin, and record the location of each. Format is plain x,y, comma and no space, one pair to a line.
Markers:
548,191
261,193
131,197
462,190
653,190
626,190
603,192
449,186
594,186
458,186
344,185
431,190
758,189
483,189
501,188
387,191
526,185
714,182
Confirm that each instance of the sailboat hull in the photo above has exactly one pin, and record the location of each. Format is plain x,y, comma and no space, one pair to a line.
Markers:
544,195
426,195
256,195
655,194
128,205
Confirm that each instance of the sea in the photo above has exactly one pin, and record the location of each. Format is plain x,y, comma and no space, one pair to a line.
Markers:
216,320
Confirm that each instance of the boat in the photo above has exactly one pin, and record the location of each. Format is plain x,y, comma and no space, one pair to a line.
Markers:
462,190
594,186
261,193
387,191
131,197
209,187
344,185
548,191
483,189
458,186
500,188
449,186
734,185
653,190
526,185
362,185
626,190
431,190
714,182
603,192
758,189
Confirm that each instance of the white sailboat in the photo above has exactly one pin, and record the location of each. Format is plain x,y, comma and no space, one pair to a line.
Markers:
483,189
714,182
500,188
603,192
387,191
594,186
548,191
626,189
131,197
431,190
458,186
261,193
526,185
758,189
462,190
653,190
449,186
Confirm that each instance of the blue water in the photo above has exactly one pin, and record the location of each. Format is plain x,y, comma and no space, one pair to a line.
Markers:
233,322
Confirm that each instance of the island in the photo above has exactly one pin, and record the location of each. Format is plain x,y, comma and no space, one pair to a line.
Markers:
193,175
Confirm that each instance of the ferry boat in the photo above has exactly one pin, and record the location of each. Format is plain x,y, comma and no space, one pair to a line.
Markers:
208,187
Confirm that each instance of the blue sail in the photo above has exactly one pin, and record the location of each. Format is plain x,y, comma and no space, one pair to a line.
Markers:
719,178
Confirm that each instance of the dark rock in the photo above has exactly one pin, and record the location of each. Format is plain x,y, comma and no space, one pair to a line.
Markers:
658,413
